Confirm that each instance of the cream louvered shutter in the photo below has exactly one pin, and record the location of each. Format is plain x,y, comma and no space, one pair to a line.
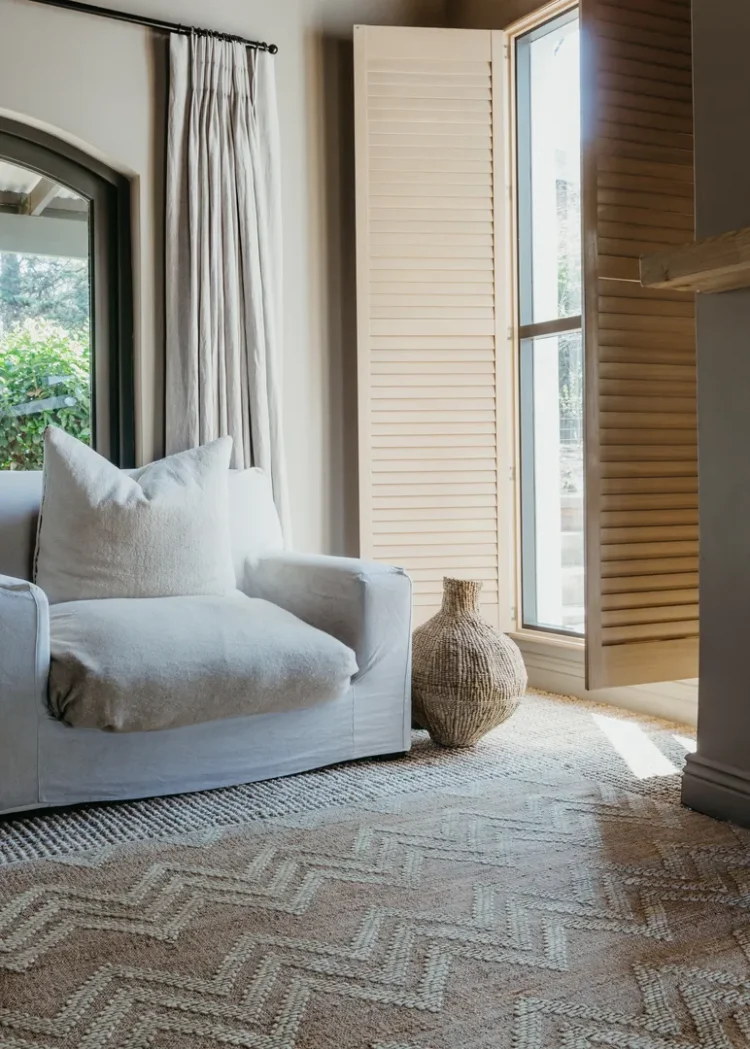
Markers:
641,484
433,386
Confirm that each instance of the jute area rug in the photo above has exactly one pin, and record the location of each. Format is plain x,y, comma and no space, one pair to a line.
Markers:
546,891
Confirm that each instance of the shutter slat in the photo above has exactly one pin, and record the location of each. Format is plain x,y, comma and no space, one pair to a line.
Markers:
631,518
611,42
671,374
442,431
621,232
447,547
438,109
450,478
682,172
438,525
446,416
633,98
623,303
617,589
424,189
651,632
663,501
445,454
638,485
678,193
655,534
478,91
628,197
623,460
437,503
395,489
398,165
629,388
650,616
636,602
678,130
657,89
624,147
654,551
626,573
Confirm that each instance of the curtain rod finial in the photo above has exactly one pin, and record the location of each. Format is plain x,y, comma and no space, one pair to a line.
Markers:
272,49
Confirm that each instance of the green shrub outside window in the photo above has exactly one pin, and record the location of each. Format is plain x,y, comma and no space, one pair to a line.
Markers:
44,379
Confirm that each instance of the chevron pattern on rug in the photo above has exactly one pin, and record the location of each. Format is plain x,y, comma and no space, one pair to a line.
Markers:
533,909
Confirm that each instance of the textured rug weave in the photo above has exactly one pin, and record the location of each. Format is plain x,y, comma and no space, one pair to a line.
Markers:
542,736
545,891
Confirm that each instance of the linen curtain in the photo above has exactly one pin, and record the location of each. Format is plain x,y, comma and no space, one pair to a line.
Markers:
223,255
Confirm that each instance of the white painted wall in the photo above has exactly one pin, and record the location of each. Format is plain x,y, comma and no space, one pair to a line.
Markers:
102,85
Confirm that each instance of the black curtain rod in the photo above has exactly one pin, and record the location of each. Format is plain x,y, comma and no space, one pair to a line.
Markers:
153,23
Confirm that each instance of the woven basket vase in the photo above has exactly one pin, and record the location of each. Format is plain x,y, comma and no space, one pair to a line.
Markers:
467,677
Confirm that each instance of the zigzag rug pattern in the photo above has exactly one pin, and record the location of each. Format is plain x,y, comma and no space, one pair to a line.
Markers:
537,908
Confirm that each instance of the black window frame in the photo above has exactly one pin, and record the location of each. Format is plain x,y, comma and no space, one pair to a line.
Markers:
111,276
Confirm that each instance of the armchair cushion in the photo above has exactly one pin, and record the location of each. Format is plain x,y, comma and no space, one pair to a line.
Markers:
142,664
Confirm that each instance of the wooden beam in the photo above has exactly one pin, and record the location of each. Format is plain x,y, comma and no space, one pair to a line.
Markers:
29,235
41,195
711,264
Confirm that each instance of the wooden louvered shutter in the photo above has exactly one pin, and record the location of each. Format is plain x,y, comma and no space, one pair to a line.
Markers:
433,390
641,484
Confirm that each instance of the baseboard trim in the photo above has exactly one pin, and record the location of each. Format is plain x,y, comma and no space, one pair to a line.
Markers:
558,668
716,790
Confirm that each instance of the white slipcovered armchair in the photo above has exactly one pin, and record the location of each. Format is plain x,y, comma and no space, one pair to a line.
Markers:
44,762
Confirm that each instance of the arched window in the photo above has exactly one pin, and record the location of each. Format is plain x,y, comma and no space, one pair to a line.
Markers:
66,302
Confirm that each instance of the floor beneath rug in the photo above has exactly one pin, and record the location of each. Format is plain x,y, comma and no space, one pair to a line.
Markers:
543,891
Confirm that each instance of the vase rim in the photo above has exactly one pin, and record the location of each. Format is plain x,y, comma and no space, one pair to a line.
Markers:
451,583
461,595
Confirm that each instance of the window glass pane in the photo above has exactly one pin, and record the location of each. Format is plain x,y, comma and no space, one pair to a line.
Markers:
549,171
45,361
552,482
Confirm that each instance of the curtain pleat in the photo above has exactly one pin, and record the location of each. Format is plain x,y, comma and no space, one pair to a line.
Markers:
223,255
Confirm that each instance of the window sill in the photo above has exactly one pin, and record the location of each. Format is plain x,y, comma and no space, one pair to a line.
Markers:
548,640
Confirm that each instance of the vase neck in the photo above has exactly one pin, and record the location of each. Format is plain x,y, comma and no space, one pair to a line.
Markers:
461,595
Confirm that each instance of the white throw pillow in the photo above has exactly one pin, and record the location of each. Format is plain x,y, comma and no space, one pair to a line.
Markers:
254,519
161,531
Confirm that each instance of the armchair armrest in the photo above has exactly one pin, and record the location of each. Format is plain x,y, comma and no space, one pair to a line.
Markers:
24,673
365,605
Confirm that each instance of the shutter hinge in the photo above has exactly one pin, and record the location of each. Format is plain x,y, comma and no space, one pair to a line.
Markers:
512,613
512,473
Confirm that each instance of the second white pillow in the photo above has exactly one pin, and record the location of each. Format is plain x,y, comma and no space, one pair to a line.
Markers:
162,531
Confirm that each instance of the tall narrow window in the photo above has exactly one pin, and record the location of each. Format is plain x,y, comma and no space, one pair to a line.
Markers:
551,356
66,354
